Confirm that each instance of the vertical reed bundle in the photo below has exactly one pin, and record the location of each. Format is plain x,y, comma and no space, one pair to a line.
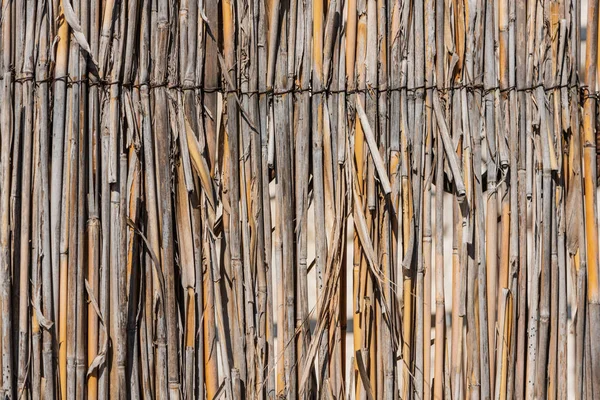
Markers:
248,198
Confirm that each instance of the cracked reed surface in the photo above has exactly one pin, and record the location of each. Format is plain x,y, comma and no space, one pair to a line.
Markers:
141,255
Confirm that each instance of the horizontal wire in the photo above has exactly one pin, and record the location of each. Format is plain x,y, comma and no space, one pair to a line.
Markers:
91,82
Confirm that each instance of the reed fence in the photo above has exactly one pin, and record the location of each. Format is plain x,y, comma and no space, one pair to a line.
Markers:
177,176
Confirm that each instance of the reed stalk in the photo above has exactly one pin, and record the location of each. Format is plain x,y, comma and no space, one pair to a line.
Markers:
26,200
590,179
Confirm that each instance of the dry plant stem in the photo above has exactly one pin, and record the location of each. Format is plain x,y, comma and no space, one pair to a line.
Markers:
46,271
93,221
318,154
72,247
265,204
234,241
529,29
590,179
119,358
467,245
19,12
440,312
164,178
491,228
184,224
188,51
351,42
359,158
521,174
36,334
394,200
372,312
245,131
408,276
80,336
103,290
197,305
258,211
273,29
301,168
115,145
280,356
58,140
458,244
418,143
370,104
252,212
211,78
407,208
430,43
386,318
147,336
210,341
563,167
93,234
6,126
330,55
512,114
458,262
448,147
551,390
562,374
215,277
477,272
427,267
64,255
116,177
71,199
285,199
26,210
544,312
370,136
